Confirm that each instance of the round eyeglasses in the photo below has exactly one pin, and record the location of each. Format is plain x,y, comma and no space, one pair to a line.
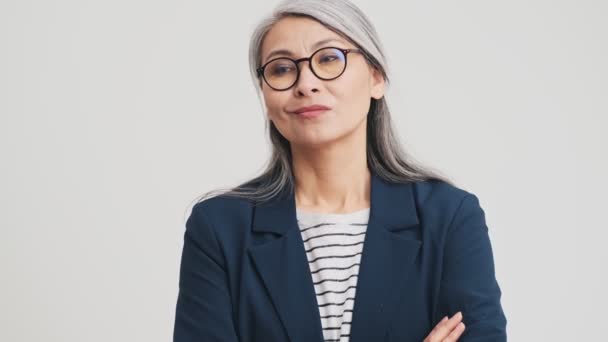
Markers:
327,64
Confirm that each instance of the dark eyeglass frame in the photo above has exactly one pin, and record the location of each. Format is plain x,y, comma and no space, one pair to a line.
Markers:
296,62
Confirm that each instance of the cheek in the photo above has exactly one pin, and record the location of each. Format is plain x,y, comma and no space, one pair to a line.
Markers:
274,103
353,95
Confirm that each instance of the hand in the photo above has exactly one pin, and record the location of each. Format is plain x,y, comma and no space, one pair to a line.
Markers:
447,330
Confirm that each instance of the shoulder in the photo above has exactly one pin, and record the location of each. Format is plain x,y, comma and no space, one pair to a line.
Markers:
222,209
439,193
221,206
441,202
219,223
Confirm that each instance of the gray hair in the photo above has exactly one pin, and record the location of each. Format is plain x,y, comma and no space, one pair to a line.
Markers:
385,156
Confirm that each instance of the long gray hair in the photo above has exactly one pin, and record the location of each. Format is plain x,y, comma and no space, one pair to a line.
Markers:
385,156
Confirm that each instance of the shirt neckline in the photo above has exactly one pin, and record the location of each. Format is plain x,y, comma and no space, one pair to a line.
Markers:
316,215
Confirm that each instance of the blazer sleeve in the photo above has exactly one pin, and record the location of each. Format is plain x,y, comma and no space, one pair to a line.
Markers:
203,310
468,282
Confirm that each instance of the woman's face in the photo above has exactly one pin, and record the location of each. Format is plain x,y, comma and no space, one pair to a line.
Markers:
347,96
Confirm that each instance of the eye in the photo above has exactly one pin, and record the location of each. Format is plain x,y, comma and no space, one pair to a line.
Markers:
329,56
280,69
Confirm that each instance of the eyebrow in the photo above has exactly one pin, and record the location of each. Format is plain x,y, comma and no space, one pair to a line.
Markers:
314,46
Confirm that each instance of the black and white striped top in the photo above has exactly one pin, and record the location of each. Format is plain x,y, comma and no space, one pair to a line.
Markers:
334,243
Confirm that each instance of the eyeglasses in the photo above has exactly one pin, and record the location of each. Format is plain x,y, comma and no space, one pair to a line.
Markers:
327,64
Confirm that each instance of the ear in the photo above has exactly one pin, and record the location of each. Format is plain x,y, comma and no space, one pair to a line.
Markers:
377,84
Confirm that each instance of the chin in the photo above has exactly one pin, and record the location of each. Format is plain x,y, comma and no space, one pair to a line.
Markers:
316,141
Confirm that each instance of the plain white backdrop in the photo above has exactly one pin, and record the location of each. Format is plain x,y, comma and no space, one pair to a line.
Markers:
116,115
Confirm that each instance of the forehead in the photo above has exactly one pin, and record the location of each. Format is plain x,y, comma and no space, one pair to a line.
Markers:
297,35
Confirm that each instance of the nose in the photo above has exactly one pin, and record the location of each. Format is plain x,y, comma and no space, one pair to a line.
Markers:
307,81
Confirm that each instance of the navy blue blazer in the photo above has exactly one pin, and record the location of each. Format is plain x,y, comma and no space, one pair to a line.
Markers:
244,275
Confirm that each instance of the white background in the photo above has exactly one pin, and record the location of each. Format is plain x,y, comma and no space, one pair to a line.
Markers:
116,115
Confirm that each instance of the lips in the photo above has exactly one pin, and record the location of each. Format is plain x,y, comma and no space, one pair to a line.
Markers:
312,108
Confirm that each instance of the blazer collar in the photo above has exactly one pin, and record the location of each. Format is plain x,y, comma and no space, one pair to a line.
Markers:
391,245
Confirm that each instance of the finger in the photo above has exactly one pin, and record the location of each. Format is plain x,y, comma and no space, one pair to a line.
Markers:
444,328
455,334
436,327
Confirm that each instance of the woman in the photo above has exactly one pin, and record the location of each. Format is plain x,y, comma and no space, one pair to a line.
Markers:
342,237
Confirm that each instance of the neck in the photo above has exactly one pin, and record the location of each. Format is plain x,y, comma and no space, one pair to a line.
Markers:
333,178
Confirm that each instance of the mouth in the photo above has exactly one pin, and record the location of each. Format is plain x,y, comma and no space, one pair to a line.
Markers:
311,111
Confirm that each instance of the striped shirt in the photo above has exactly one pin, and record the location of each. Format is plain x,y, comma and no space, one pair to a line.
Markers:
334,243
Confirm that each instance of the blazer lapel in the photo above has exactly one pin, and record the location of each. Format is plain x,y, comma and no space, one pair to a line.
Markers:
284,269
390,246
